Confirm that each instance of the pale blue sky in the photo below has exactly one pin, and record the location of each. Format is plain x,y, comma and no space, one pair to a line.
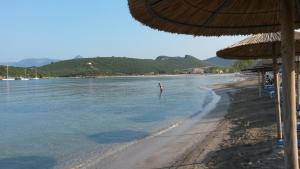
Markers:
62,29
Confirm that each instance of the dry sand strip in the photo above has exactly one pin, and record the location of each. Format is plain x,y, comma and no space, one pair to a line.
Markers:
244,139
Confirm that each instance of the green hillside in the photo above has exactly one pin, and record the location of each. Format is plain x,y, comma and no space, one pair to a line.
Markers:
120,66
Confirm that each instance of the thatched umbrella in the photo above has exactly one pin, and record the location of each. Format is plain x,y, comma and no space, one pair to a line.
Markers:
259,46
210,17
234,17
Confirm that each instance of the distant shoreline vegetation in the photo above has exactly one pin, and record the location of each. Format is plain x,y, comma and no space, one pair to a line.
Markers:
123,66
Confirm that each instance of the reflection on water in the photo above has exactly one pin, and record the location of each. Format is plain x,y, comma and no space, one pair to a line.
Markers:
27,162
64,118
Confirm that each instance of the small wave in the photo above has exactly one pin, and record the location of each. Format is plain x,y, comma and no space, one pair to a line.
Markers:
213,104
209,106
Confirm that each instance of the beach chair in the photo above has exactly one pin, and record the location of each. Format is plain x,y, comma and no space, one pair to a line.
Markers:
269,90
280,142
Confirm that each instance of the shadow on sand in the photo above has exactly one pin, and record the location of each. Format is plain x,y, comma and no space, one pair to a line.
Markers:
121,136
27,162
252,135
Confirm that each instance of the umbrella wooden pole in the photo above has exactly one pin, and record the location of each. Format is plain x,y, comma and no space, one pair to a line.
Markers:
277,98
297,83
287,11
262,80
259,84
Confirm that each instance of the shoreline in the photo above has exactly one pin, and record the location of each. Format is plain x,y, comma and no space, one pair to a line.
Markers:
158,150
196,157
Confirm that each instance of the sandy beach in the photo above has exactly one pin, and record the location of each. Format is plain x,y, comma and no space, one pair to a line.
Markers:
237,132
245,138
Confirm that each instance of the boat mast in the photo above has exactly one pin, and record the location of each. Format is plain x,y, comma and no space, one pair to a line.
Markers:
6,71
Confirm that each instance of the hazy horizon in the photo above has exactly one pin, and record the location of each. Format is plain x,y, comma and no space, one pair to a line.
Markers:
64,29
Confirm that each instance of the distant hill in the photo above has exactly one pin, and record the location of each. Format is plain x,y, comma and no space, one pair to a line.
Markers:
125,66
32,62
219,61
78,57
121,66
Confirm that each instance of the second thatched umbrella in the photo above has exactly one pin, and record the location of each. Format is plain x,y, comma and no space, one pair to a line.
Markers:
259,46
261,67
265,46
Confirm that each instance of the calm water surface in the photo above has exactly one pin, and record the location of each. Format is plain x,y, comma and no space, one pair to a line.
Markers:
45,123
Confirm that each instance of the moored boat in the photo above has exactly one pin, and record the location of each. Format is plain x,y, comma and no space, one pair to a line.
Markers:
7,77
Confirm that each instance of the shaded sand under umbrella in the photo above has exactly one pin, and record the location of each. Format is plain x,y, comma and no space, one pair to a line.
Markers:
234,17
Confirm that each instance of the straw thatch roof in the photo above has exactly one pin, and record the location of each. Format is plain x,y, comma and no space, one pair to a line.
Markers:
258,46
279,60
209,17
258,69
262,65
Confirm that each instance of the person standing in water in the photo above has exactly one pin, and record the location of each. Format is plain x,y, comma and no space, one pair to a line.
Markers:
160,87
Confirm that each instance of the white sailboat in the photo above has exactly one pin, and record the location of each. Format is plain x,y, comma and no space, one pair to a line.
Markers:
36,77
25,75
7,77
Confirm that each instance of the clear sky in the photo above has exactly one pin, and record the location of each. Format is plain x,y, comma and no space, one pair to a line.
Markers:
62,29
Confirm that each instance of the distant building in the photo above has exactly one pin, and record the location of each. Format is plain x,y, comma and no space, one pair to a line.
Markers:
219,71
192,71
197,71
150,73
